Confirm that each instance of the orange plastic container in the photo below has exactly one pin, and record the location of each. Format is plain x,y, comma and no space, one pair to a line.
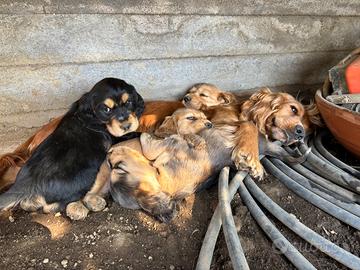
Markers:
352,76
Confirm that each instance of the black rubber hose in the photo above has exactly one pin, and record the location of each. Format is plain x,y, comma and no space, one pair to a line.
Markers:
317,153
290,221
316,200
285,247
317,189
327,170
209,242
325,153
231,237
343,192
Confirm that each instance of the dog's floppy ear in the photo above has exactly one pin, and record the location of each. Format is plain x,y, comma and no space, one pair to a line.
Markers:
259,107
226,98
167,128
140,105
84,104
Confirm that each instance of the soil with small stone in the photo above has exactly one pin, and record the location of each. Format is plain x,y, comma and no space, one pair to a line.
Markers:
118,238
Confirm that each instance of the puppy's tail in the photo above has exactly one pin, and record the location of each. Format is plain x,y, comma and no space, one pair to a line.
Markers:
11,162
16,158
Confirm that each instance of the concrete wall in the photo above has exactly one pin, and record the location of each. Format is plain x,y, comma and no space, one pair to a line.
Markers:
52,51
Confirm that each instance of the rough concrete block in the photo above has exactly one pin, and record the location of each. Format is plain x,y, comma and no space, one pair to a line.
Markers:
47,39
28,89
224,7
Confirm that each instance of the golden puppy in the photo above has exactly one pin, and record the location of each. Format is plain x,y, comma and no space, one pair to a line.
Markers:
277,116
219,106
169,169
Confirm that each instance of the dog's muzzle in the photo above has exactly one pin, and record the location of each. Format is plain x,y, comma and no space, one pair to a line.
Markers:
299,132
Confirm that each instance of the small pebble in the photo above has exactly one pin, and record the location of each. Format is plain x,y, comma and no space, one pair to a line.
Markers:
64,263
91,255
11,219
150,258
172,267
46,260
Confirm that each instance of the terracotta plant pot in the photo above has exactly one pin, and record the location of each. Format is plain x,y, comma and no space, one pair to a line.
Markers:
343,123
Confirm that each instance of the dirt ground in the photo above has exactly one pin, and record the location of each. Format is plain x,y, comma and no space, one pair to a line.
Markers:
123,239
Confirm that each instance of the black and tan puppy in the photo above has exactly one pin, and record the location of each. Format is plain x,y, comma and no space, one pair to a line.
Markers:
64,166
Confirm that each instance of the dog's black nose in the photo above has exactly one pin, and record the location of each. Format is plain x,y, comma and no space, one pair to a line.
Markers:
208,125
187,98
299,132
120,118
126,126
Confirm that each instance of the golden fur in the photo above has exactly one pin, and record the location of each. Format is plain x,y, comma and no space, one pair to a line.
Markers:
278,116
167,170
219,106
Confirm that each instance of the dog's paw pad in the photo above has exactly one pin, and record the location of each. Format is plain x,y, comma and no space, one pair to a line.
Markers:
94,203
76,211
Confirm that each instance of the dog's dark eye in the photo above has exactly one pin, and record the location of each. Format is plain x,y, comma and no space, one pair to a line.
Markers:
107,109
294,110
203,95
192,118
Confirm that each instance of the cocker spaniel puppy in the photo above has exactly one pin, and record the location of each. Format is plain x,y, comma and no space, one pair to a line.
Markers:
219,106
64,166
277,116
158,173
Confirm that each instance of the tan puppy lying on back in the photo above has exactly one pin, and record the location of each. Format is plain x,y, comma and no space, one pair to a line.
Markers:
180,164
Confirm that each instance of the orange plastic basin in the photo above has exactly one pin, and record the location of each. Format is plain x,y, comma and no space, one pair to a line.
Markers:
343,123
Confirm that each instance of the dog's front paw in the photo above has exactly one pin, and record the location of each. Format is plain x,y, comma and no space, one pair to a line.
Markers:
76,211
245,161
94,202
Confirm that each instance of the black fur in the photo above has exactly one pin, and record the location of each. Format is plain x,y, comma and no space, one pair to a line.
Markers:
64,167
